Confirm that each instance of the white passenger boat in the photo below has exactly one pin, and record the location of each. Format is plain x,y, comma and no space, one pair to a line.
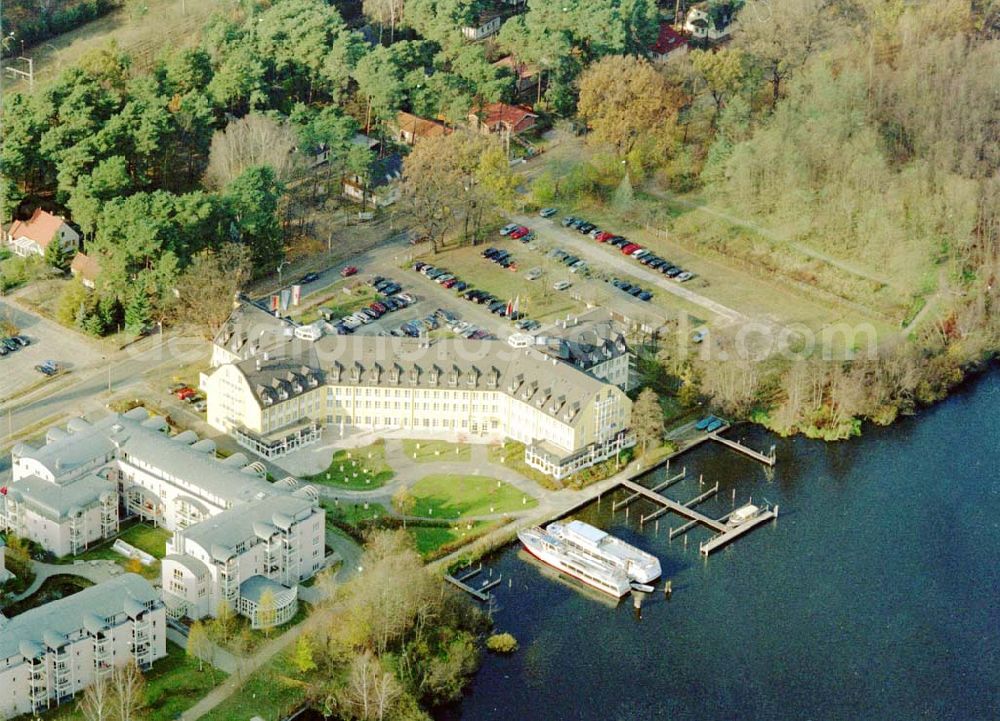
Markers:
556,553
595,544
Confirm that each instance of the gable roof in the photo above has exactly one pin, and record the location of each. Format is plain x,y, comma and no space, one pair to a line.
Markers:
420,127
668,40
40,228
85,266
517,117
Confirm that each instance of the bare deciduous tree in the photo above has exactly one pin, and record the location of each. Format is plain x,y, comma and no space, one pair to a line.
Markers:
252,140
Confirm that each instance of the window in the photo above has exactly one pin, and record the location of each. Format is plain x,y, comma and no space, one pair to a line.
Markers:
178,573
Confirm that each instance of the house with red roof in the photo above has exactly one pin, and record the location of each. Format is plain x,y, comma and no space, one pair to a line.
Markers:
32,236
668,42
502,119
86,268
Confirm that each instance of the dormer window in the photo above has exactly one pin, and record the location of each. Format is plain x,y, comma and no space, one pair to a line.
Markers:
394,373
493,378
515,383
414,375
356,373
435,375
557,404
376,373
473,377
337,370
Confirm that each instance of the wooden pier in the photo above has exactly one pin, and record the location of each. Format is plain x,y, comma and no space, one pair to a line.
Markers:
731,534
689,504
655,489
678,508
480,594
767,459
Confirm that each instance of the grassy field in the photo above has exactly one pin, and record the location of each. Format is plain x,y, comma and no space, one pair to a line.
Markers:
435,541
454,496
537,298
146,538
353,513
164,24
356,469
270,693
339,302
511,455
430,451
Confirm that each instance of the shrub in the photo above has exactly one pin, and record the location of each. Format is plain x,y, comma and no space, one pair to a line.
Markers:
501,643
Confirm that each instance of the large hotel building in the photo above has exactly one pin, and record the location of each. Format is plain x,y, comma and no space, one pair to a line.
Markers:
562,398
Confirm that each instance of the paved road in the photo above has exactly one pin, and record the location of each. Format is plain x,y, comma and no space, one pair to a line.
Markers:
600,256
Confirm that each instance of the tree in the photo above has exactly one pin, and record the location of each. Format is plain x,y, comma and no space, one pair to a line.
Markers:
129,692
199,645
371,690
138,312
780,35
647,418
723,72
624,99
221,628
379,81
253,141
624,197
251,201
73,296
97,702
207,288
303,657
266,611
384,12
58,256
404,502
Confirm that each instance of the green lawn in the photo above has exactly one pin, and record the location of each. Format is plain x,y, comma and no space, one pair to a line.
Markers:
269,693
430,451
356,469
172,686
429,539
511,455
175,684
353,513
144,537
454,496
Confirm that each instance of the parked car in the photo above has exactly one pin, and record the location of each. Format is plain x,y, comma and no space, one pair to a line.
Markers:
568,221
699,335
533,274
561,285
685,276
509,228
645,295
703,423
548,212
603,237
309,278
460,286
714,425
22,340
11,344
184,393
419,265
586,228
48,368
348,271
520,232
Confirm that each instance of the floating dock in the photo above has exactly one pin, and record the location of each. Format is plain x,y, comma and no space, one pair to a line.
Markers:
672,505
767,459
655,489
480,594
731,534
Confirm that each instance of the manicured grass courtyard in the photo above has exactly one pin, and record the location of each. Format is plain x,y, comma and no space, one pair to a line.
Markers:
435,541
144,537
511,455
353,513
356,469
459,496
431,451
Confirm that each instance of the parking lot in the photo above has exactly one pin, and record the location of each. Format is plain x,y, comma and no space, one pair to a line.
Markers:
49,341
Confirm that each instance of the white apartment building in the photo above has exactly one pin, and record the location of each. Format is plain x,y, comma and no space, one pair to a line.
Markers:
269,545
50,653
72,490
284,390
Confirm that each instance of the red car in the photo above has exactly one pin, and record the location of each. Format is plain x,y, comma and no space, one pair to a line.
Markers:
520,233
631,248
184,393
348,271
604,236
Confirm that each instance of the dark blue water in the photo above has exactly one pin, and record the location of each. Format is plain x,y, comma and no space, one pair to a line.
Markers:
874,595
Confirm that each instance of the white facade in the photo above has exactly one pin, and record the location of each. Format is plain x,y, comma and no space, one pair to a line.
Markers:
485,27
51,653
31,237
70,492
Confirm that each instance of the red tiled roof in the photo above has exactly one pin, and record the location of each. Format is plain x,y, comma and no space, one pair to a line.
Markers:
41,228
668,40
518,117
86,266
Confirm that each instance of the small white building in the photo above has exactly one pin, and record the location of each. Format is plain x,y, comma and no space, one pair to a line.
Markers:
32,236
486,24
51,653
711,21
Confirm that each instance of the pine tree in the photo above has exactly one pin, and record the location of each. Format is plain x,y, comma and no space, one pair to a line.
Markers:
137,313
58,256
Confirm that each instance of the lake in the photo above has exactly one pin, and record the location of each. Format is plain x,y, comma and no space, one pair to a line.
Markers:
873,596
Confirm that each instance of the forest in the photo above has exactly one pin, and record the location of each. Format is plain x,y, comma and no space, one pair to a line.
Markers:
863,131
